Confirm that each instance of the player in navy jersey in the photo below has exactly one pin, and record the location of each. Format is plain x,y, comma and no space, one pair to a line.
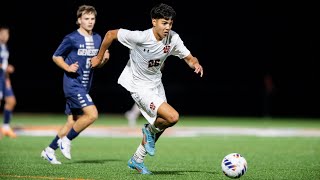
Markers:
6,90
73,56
142,75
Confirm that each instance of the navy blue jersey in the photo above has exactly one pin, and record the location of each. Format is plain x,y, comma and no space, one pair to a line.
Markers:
4,56
76,47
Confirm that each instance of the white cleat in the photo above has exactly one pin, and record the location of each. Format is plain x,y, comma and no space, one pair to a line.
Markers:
48,154
65,147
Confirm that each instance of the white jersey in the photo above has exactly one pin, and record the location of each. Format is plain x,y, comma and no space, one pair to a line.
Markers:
147,56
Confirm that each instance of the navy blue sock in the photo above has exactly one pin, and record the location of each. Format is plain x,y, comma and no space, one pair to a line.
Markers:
54,143
7,116
72,134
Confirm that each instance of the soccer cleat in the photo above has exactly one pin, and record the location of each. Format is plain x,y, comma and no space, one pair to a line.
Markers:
132,164
48,154
148,140
9,132
65,147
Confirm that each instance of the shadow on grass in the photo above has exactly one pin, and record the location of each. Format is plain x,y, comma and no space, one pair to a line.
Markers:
99,161
180,172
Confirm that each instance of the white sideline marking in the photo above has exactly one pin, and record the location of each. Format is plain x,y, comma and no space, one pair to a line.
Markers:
179,132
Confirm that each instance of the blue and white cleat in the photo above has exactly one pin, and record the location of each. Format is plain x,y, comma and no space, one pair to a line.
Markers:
132,164
65,147
48,154
149,141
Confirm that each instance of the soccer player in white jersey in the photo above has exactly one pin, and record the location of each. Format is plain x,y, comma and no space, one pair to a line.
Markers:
133,114
142,75
73,56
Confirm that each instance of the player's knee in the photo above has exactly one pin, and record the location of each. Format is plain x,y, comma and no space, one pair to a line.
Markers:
173,118
10,103
13,103
93,116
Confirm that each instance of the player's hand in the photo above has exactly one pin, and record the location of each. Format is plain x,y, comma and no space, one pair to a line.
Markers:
10,69
73,67
95,61
198,69
106,57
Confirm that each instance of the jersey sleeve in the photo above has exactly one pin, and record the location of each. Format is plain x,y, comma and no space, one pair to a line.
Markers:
130,38
180,50
64,48
1,59
4,56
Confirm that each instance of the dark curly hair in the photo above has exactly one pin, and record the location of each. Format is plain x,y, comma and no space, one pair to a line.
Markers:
162,11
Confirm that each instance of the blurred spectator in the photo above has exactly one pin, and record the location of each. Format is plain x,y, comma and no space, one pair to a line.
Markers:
132,115
268,92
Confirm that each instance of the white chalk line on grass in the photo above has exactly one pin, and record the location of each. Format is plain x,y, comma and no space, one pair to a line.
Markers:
176,131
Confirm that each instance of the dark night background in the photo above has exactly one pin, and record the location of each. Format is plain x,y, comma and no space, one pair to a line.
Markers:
237,43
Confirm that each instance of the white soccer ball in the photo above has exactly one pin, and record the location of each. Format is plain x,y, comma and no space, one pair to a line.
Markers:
234,165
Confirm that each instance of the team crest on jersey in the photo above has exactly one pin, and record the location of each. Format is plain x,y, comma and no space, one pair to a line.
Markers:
166,49
152,106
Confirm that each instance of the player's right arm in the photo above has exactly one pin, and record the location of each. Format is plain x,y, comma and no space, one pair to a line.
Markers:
109,37
63,65
61,52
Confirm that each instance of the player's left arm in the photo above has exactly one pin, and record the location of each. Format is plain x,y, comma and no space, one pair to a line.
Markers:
10,69
193,63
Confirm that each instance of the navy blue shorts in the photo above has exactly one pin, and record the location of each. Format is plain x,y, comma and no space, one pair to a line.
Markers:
8,92
76,103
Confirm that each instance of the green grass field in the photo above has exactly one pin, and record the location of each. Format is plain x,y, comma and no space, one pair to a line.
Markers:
176,158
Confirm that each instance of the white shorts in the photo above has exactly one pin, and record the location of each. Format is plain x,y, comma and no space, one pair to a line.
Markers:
149,100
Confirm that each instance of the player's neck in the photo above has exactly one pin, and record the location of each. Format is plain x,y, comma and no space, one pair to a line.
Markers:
84,32
158,38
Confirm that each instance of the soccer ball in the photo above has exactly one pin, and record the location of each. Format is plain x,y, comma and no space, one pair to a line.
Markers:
234,165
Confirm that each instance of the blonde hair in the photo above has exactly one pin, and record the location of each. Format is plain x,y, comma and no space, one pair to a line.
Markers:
85,9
